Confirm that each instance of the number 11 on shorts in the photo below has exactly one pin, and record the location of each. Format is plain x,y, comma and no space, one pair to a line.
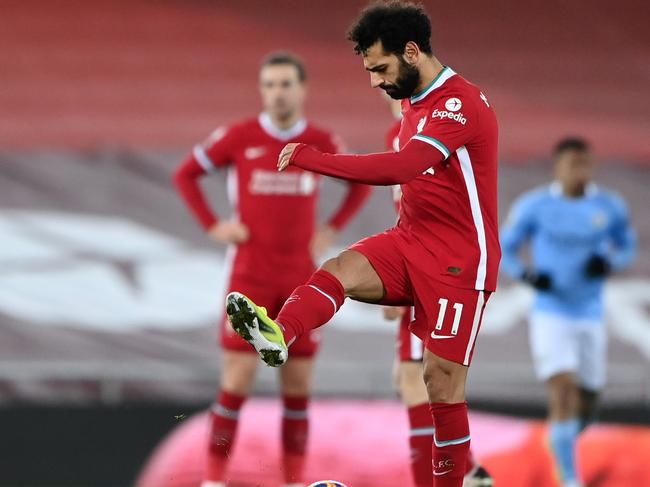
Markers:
458,311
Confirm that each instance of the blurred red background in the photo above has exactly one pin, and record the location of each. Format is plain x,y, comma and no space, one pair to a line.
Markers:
160,72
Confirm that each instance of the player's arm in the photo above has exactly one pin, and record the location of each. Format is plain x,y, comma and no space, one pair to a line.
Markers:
355,197
437,140
186,180
624,241
327,233
379,169
624,238
204,159
517,231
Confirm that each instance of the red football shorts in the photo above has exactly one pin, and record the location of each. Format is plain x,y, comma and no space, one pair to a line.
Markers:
272,297
447,318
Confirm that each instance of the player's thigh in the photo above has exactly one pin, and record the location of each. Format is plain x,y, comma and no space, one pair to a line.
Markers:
238,371
553,345
592,343
374,271
296,376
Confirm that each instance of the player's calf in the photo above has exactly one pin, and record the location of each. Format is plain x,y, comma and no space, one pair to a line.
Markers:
311,305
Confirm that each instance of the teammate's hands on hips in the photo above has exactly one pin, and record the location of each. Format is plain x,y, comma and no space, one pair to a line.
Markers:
229,232
393,312
323,239
285,156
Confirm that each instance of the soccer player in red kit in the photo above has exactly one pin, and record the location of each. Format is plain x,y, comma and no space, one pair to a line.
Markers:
273,233
408,370
443,255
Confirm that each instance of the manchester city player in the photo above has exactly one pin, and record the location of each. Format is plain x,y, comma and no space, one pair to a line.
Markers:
579,233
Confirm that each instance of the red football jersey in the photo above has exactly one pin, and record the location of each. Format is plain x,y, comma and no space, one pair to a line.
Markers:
279,208
451,208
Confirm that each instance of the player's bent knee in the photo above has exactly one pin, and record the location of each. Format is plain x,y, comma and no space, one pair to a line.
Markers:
563,396
350,269
438,384
333,266
444,379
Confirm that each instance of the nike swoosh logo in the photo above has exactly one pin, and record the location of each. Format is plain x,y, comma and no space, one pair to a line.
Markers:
440,337
442,473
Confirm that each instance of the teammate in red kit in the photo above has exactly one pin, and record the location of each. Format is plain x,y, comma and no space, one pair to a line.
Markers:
273,233
443,255
408,371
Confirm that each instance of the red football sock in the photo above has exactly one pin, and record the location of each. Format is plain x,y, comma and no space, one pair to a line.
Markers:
451,443
295,429
421,439
311,305
223,426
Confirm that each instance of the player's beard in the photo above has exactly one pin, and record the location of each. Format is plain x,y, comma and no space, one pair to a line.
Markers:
408,79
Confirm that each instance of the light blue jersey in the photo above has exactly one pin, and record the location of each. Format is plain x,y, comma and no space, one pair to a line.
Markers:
563,234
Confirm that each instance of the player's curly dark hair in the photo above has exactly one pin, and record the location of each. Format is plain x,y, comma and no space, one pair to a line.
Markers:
394,23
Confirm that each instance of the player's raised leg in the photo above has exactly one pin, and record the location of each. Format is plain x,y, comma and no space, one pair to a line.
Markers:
309,306
237,376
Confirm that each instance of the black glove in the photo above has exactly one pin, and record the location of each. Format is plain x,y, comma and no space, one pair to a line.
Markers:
540,281
597,266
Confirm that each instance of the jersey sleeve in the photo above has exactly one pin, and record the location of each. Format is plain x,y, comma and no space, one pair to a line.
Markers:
518,229
186,180
380,169
217,149
451,124
623,235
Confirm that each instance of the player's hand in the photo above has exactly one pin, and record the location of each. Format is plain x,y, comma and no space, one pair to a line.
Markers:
393,312
597,266
285,156
322,240
229,232
540,281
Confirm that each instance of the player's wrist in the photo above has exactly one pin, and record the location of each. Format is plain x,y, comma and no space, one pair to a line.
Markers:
541,281
296,151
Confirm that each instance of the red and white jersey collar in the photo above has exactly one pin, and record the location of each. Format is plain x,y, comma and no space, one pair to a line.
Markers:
267,125
437,82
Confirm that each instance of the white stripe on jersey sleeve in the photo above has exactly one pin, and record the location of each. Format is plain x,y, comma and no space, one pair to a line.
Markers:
433,142
203,159
477,215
